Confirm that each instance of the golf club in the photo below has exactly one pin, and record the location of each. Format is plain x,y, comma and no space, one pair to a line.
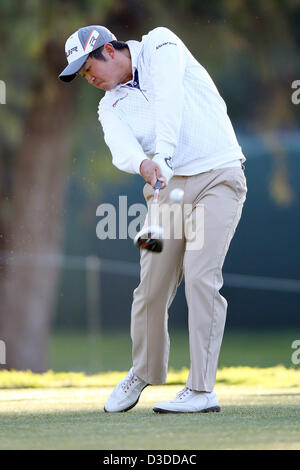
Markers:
150,238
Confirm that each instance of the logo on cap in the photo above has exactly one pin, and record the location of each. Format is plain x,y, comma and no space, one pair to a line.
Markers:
70,51
91,41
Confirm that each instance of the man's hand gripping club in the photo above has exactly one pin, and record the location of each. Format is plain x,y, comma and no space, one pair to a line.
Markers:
159,168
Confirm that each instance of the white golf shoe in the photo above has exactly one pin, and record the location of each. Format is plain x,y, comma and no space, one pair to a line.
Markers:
189,401
126,394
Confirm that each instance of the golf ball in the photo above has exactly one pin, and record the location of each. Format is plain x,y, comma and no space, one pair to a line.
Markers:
176,195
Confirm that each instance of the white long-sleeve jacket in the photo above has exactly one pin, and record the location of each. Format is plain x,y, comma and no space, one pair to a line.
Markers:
171,106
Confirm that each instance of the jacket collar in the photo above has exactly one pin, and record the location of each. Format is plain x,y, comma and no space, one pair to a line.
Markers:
135,48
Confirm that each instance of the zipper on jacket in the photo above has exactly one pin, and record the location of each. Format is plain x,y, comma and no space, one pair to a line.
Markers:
136,84
136,88
144,95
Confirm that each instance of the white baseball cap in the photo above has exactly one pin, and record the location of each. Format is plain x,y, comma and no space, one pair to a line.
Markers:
80,44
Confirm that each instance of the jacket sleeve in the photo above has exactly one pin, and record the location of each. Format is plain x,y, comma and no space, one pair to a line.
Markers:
167,60
127,153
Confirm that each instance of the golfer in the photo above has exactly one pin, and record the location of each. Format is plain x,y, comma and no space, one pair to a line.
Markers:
163,118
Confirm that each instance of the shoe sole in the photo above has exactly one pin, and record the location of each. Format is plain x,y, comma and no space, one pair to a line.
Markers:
129,407
213,409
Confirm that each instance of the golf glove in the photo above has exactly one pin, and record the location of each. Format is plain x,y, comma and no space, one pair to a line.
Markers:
165,163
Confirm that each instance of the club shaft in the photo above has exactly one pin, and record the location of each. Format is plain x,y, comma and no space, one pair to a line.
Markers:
155,201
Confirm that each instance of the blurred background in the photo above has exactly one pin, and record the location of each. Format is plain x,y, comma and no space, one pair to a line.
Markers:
65,295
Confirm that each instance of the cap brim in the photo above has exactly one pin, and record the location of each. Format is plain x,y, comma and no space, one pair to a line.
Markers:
70,71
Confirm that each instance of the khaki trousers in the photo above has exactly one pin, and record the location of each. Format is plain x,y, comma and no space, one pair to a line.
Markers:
211,208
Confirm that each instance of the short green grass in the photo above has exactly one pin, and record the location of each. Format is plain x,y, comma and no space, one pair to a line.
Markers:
260,409
257,385
73,418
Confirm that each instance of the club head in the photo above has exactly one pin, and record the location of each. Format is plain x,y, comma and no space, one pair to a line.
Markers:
150,244
150,238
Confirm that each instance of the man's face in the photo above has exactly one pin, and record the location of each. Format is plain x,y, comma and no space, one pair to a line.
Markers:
103,74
